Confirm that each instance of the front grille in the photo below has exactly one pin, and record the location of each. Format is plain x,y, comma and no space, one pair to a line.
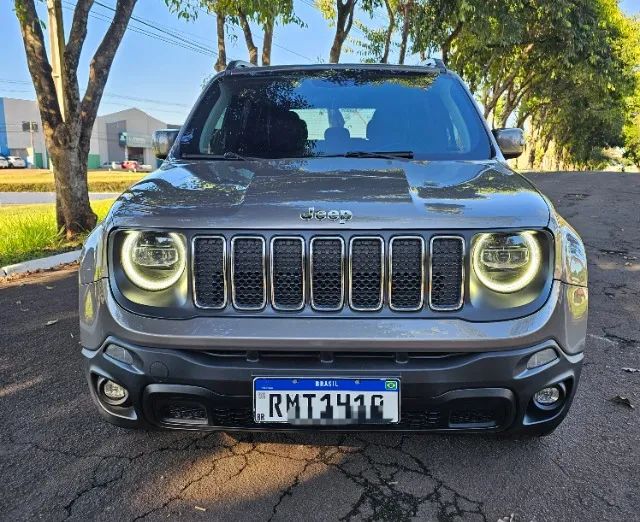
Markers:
327,273
248,278
406,267
362,273
287,273
366,273
447,270
209,273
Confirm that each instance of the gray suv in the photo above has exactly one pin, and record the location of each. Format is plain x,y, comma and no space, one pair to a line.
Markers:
334,247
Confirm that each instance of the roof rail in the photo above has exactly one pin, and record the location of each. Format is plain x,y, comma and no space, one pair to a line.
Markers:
238,64
436,62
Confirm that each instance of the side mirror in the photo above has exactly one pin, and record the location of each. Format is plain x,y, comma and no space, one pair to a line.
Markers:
163,141
510,141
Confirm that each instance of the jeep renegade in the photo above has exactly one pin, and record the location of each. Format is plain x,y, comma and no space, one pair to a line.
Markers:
334,247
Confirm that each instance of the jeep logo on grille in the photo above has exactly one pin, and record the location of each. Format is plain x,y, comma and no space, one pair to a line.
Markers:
341,216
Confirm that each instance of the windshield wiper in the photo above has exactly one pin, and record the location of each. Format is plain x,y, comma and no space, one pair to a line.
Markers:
232,156
373,154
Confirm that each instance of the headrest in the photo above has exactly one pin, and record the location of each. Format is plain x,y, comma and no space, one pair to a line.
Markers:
337,134
288,134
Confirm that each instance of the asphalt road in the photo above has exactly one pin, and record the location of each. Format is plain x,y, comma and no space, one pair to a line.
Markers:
28,198
59,460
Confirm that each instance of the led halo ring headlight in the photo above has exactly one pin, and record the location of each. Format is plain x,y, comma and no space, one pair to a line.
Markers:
506,262
153,260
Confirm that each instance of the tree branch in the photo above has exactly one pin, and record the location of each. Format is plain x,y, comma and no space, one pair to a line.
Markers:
77,34
351,15
100,66
221,62
39,66
72,51
389,31
248,37
446,45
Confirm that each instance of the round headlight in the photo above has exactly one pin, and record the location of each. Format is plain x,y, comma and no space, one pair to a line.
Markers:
153,260
506,262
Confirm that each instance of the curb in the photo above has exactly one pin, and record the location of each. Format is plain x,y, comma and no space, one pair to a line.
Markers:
44,263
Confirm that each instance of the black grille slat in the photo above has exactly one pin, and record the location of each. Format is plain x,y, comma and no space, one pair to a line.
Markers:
287,273
327,273
209,277
248,273
406,273
366,274
447,257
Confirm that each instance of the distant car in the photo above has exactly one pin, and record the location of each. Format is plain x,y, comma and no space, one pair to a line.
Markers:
4,163
130,165
16,162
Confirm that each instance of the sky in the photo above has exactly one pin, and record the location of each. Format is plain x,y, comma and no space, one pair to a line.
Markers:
162,61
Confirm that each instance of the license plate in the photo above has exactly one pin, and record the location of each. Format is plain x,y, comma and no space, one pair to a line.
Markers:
326,401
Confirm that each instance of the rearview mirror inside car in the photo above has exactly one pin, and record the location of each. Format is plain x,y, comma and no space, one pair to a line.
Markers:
511,141
163,141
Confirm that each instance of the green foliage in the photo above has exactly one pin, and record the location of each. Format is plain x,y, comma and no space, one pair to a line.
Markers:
34,233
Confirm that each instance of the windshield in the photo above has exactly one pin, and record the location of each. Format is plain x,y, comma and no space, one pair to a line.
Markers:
333,113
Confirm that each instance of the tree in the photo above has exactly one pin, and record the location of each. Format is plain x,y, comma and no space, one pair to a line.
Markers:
68,118
221,9
342,14
265,13
241,13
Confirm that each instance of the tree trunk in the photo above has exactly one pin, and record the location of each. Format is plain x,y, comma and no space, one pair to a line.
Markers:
73,211
406,13
268,40
446,45
389,32
221,62
248,38
344,21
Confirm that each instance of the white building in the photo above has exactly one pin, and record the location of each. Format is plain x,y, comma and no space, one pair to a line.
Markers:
21,130
117,136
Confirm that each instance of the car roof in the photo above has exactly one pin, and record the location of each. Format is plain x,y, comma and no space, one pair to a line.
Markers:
239,67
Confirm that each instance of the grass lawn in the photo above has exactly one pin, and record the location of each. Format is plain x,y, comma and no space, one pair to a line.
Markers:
29,231
38,180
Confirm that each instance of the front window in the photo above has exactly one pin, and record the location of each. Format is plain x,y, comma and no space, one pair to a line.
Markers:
337,112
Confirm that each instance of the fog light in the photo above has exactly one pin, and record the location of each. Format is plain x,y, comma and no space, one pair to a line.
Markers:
548,396
114,393
541,358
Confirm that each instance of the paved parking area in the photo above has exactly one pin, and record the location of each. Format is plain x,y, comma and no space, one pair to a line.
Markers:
59,460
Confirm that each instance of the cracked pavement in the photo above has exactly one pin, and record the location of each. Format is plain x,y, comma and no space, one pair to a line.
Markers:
59,460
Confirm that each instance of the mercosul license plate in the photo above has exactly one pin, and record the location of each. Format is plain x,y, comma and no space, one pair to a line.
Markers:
326,401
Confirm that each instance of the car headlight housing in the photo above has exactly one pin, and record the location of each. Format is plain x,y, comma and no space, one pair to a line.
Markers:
153,261
507,262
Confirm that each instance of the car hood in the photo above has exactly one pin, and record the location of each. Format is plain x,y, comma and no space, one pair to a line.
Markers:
380,193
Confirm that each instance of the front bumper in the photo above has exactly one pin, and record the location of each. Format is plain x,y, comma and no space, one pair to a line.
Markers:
490,391
455,375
